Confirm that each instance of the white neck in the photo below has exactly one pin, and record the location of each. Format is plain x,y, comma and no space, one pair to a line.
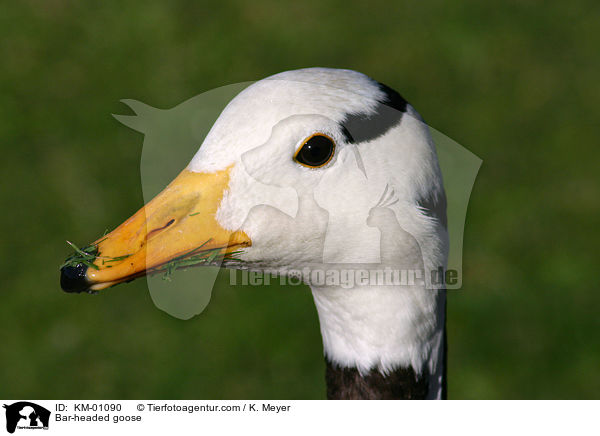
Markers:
384,328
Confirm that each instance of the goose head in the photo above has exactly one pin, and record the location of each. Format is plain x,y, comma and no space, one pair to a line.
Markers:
306,170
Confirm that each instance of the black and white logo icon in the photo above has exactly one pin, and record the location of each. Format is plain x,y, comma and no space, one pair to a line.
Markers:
26,415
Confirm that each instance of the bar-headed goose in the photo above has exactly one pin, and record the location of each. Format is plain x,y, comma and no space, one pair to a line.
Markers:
368,203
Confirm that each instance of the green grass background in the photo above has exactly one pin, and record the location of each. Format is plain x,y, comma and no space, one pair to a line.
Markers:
515,82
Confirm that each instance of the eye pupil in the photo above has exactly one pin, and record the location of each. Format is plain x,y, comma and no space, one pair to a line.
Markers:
316,152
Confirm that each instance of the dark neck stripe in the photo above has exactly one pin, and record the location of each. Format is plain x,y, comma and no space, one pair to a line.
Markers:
401,384
362,127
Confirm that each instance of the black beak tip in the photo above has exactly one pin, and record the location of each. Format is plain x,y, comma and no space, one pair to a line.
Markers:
73,279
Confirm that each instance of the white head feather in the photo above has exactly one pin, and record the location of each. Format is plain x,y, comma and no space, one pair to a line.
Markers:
300,217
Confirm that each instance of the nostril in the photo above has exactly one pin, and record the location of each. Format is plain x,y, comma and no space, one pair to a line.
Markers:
154,231
73,278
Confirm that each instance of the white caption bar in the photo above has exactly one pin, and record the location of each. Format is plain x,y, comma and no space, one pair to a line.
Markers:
299,417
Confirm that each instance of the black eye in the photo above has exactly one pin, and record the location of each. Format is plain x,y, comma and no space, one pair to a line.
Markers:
316,151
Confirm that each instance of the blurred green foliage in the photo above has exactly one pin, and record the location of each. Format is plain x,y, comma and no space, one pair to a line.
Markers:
515,82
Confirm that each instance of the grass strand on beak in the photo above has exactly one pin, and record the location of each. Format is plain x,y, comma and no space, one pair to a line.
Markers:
194,257
88,255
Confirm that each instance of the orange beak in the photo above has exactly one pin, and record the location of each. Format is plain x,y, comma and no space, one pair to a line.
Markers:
178,222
